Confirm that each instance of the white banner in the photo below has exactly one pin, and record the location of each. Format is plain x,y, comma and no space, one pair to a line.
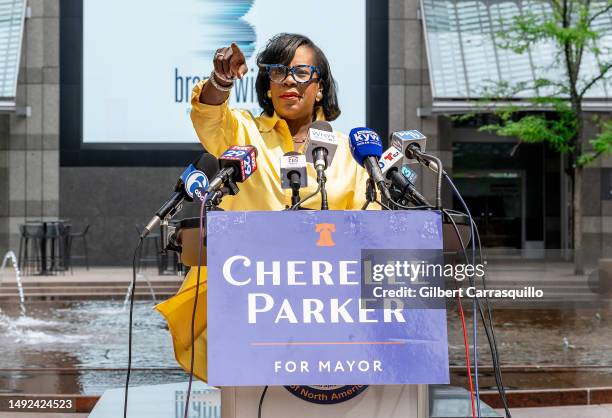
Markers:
141,59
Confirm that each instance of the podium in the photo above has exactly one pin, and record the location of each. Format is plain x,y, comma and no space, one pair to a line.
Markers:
238,391
380,401
377,400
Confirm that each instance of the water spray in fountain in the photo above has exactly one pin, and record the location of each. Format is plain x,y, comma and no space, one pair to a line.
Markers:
139,276
11,256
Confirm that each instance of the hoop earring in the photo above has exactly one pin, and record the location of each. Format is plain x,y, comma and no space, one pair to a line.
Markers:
319,97
269,94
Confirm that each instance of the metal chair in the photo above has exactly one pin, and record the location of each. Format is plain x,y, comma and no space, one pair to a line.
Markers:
56,234
30,246
151,241
82,235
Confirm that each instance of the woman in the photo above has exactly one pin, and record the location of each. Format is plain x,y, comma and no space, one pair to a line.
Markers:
294,87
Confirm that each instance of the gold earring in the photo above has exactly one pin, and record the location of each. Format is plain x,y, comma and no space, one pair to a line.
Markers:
269,94
319,96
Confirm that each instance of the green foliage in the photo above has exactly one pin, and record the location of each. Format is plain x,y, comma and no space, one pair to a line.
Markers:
601,144
559,130
554,114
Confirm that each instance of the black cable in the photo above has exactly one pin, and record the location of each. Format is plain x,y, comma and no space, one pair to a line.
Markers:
195,304
297,205
410,207
497,369
462,244
490,336
475,301
261,399
132,293
382,205
440,172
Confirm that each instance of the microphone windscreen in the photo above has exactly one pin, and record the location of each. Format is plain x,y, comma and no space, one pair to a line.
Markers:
293,162
208,164
243,158
320,135
403,140
321,125
364,142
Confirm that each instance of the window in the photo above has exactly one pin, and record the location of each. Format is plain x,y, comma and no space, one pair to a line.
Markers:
12,15
464,57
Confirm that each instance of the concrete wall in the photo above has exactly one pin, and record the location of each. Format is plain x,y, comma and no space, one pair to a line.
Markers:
113,200
597,213
409,86
29,147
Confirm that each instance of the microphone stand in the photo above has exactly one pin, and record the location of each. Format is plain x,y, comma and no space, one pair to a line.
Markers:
370,194
324,203
229,188
427,159
295,183
295,196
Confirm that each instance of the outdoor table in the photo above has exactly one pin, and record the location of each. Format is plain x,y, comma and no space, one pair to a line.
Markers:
43,245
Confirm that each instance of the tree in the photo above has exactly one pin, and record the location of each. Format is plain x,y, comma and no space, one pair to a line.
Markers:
556,115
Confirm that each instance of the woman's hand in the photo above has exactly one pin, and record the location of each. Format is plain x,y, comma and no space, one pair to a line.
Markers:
229,63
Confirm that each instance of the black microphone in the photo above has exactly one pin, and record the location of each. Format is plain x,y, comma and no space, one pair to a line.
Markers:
195,176
293,174
237,164
390,165
412,145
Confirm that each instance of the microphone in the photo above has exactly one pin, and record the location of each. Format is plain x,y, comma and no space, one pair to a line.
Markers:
412,145
366,148
237,164
194,177
293,171
320,146
391,167
293,174
409,173
408,142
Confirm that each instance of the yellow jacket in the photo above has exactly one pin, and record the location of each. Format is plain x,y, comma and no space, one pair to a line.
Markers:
218,128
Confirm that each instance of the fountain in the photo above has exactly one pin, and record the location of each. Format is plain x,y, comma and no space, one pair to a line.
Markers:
10,255
139,276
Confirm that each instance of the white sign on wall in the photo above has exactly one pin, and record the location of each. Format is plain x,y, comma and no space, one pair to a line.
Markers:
141,59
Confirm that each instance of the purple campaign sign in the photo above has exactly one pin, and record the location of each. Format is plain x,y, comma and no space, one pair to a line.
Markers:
283,301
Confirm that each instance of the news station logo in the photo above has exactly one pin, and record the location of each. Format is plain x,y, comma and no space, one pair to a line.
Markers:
409,174
293,159
412,134
196,182
321,135
247,155
367,136
388,158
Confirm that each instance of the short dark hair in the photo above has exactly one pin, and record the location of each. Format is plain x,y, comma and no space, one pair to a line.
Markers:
280,49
